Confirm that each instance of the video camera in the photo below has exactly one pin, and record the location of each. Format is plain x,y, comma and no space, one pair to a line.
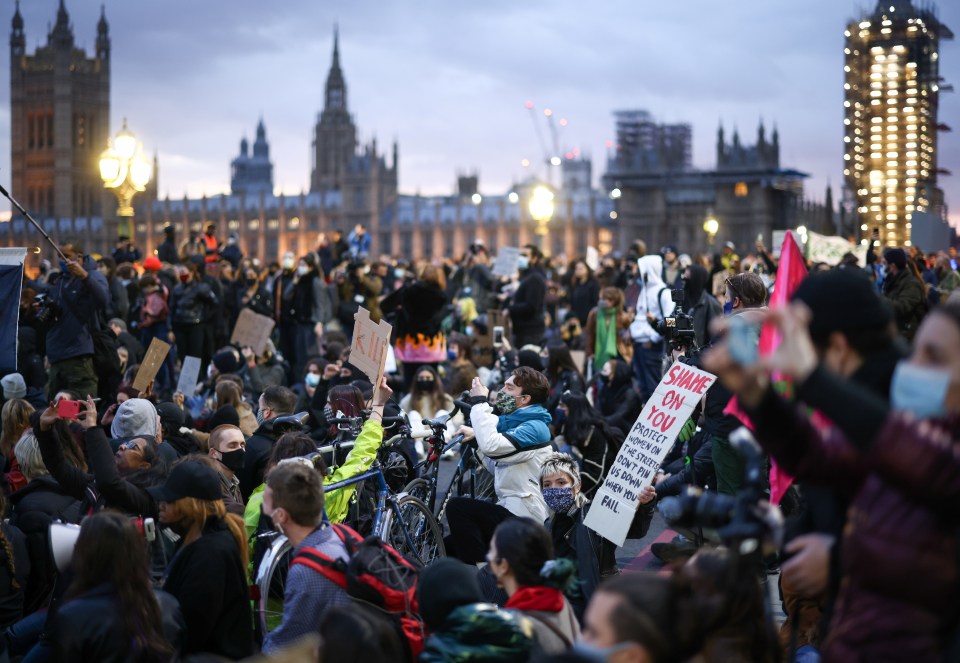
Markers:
677,329
744,522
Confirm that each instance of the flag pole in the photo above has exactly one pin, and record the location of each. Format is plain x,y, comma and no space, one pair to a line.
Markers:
31,220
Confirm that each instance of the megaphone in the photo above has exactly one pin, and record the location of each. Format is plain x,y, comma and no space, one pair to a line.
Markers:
63,537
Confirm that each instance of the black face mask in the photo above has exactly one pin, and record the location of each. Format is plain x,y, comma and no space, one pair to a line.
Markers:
424,385
232,460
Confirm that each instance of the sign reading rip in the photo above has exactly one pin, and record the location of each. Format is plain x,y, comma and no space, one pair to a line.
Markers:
368,351
642,453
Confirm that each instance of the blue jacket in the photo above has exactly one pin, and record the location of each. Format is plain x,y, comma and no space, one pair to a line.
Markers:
79,302
527,427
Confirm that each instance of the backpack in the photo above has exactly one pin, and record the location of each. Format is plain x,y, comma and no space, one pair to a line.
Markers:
376,575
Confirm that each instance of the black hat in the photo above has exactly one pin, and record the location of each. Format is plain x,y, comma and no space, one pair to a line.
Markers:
226,362
443,586
896,257
171,416
841,299
188,479
225,414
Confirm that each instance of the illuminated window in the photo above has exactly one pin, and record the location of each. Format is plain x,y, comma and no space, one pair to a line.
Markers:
740,189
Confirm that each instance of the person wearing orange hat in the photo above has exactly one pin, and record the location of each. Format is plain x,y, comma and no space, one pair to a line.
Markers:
152,264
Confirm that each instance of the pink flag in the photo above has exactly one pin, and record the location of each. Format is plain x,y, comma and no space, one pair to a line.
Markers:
790,272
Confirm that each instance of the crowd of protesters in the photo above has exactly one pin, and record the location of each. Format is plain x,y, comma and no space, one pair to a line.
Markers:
556,362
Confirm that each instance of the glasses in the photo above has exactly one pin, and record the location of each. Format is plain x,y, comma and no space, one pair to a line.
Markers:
130,446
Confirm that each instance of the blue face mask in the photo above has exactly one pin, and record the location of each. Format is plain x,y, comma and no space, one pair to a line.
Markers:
468,331
559,500
312,380
920,391
599,654
451,355
523,262
728,308
559,418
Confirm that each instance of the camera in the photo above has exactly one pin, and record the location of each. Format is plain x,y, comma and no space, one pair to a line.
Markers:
677,329
47,310
741,521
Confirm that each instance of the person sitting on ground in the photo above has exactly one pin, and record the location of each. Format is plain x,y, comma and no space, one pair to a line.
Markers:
462,370
208,573
110,611
521,558
293,500
227,446
596,442
617,400
461,625
514,443
15,420
561,372
274,402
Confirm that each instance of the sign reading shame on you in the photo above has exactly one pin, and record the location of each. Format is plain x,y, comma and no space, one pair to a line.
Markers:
642,453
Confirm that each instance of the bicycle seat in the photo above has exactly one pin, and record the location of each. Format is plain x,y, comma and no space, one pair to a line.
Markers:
291,422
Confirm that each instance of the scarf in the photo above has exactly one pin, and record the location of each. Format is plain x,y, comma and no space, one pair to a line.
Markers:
605,345
542,599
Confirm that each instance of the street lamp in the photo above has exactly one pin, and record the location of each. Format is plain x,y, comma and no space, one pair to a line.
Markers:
711,226
541,210
125,171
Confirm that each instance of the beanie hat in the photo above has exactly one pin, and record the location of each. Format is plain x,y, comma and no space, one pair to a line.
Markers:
443,586
841,299
896,257
136,417
14,386
152,264
226,362
529,358
171,416
225,414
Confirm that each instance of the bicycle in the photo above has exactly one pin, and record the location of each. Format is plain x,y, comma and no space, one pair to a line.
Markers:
401,520
470,478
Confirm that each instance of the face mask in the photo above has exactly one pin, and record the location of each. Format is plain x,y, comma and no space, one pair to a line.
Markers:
327,412
312,380
232,460
399,273
599,654
559,418
260,418
278,528
468,331
505,403
559,500
184,278
920,391
604,377
302,270
451,355
603,305
728,308
523,262
424,385
545,362
288,263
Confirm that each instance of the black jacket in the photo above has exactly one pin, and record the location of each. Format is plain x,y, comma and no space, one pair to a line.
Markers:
619,402
259,447
89,627
12,598
208,579
698,472
420,309
583,297
191,302
528,307
167,252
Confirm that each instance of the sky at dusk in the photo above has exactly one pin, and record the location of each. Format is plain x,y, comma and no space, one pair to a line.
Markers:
448,80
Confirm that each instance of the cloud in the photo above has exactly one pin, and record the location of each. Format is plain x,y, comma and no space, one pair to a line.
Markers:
449,80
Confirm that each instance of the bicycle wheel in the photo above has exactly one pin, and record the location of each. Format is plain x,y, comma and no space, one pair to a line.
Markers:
271,583
419,488
411,529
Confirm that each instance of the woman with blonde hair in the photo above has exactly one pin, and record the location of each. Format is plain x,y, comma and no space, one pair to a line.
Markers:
15,418
208,573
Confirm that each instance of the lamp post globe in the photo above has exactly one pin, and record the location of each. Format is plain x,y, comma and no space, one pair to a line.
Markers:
125,171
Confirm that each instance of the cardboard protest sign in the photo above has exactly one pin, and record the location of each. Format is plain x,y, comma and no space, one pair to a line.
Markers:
152,361
648,442
368,351
506,262
252,329
189,375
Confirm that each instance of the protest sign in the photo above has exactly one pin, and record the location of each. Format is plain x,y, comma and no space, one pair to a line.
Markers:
253,330
642,453
593,258
777,245
11,278
189,376
506,262
152,361
826,249
368,351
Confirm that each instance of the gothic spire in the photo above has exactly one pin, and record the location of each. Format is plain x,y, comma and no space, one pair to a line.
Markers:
336,92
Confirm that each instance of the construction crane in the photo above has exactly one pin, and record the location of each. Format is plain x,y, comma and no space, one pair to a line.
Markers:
551,153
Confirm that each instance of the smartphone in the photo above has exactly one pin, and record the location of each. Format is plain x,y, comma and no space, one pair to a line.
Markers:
498,337
67,409
742,341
